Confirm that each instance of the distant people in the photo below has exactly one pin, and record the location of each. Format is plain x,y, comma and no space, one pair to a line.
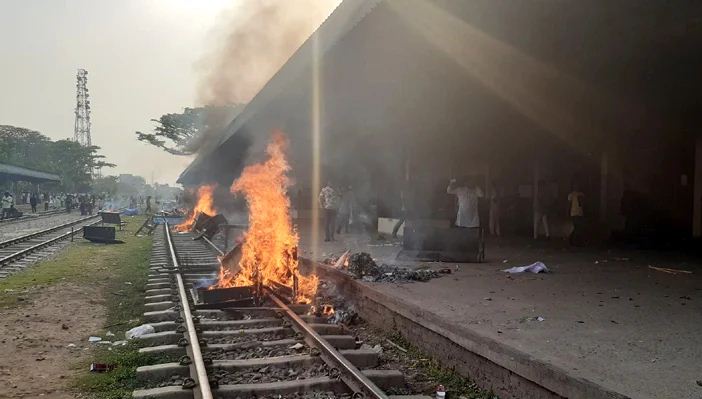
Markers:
69,203
468,194
346,211
329,201
7,203
544,209
46,201
83,205
33,202
148,204
495,197
576,212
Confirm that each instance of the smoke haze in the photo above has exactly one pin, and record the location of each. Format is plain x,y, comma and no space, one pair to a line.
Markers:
253,40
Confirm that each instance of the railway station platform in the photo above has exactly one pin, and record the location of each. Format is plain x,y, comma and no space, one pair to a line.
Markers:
602,323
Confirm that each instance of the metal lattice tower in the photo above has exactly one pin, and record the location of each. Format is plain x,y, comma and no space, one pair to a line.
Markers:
81,133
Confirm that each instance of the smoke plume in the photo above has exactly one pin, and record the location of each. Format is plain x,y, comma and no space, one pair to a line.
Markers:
253,40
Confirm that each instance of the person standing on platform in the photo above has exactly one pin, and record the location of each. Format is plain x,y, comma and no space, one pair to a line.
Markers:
495,197
69,203
346,209
7,203
33,200
404,210
468,195
576,212
544,208
329,201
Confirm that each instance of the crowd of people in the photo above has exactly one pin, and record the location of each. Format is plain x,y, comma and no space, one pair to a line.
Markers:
86,204
339,207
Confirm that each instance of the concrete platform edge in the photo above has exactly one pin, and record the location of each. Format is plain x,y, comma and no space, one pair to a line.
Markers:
509,372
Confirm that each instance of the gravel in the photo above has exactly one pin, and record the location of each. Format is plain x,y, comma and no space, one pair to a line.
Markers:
270,374
17,229
255,350
235,339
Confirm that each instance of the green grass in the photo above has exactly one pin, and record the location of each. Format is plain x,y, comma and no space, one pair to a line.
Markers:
120,382
86,263
454,383
121,271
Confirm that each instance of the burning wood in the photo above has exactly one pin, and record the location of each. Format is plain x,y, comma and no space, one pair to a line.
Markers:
204,205
269,249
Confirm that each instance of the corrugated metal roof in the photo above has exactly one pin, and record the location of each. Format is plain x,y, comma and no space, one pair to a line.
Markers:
24,174
341,21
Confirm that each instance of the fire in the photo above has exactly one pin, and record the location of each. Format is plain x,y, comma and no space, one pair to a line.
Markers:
205,204
328,310
269,249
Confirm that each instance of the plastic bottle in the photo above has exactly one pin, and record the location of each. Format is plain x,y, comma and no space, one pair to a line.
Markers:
440,392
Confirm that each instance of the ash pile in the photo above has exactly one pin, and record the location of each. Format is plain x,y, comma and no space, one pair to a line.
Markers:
333,306
362,266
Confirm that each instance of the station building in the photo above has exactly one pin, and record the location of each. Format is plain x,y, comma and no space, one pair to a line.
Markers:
392,93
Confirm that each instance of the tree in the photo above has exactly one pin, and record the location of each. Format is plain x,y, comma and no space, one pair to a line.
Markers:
106,184
68,159
182,134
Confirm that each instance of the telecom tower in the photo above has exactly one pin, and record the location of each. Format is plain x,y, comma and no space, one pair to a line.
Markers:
81,133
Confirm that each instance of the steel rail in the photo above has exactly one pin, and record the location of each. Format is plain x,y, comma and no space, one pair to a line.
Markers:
22,253
32,216
215,247
26,237
351,375
203,382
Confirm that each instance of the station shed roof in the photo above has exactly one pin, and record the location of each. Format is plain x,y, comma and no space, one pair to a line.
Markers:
451,77
18,173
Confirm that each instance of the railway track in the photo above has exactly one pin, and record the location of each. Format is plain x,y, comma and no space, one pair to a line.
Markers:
272,350
32,216
18,253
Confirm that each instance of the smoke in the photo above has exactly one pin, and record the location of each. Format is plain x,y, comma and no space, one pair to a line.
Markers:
253,40
249,44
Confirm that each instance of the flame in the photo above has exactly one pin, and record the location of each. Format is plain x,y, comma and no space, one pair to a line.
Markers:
269,249
328,310
205,204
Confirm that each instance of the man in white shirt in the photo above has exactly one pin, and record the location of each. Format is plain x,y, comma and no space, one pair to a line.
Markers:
7,203
468,196
329,201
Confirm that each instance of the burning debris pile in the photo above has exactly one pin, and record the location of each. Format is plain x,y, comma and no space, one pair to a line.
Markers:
269,249
362,266
204,205
336,308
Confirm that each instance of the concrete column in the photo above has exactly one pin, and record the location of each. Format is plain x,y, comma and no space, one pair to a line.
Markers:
697,192
535,198
604,181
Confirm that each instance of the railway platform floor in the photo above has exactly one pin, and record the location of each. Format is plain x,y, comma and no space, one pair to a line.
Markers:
601,316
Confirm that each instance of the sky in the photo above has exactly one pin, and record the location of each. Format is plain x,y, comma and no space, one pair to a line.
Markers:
141,57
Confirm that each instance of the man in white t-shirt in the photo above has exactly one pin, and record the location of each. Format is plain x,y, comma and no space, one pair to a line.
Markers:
329,201
575,210
468,196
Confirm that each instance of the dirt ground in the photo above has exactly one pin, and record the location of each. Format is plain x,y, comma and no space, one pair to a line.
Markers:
35,337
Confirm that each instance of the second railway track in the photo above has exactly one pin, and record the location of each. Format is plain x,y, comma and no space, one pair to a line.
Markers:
32,216
273,350
19,252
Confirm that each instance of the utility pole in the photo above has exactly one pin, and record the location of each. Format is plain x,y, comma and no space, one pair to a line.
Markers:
81,132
